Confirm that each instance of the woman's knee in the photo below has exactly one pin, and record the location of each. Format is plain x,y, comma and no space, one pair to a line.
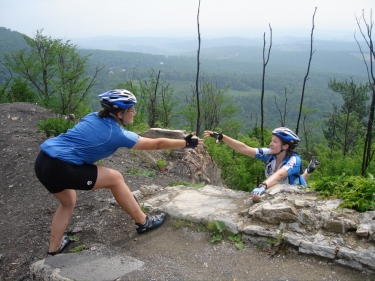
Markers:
117,179
70,204
67,198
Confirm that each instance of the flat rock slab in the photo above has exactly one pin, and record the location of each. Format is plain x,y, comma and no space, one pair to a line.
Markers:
205,204
90,265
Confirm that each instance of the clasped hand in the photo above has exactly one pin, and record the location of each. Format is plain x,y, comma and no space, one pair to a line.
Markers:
192,141
216,135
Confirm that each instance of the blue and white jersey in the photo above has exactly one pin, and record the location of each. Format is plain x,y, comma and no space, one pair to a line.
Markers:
292,164
92,139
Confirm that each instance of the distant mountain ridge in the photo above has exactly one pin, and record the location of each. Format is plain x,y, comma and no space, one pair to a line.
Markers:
11,41
180,46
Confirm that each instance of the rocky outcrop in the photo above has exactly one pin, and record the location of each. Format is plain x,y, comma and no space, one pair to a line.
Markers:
198,163
295,216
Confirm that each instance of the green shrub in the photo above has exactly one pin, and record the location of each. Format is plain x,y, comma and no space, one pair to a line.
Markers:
218,230
161,163
79,248
357,192
239,172
54,126
170,152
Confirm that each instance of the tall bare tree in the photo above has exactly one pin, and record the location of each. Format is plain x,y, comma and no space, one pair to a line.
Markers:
366,32
197,77
284,112
265,62
308,70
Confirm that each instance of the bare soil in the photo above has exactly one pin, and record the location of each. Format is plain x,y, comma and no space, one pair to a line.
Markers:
169,253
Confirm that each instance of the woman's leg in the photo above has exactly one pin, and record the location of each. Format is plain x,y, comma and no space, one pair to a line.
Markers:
61,218
112,179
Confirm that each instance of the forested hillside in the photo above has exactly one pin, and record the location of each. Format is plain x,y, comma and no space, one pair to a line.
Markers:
333,120
239,66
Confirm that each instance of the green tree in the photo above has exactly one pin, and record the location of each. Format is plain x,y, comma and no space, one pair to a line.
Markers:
157,97
6,76
156,102
309,132
20,92
55,72
349,119
215,107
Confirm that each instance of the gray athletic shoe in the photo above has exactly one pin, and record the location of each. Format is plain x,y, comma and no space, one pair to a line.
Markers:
312,165
64,242
151,223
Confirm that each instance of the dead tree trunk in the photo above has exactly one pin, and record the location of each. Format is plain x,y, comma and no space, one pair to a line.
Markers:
285,111
307,73
197,77
368,152
265,62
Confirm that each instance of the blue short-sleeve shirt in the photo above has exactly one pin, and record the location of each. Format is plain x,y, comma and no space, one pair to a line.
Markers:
92,139
292,164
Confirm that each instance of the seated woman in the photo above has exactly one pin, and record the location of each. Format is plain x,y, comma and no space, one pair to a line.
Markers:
282,163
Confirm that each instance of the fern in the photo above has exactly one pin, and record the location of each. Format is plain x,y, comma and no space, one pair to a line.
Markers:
356,192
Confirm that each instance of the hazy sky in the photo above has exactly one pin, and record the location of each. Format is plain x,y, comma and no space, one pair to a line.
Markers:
248,18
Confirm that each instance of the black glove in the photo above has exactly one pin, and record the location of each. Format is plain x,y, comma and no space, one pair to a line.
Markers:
217,136
191,142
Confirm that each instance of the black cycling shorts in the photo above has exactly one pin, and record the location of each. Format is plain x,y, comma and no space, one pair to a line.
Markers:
57,175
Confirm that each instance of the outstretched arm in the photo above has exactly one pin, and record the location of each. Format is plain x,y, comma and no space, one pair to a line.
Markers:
165,143
235,144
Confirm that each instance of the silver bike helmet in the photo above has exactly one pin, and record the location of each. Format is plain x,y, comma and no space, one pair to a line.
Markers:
287,136
117,99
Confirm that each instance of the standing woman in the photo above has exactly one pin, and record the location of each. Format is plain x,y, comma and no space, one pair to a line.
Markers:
66,162
282,163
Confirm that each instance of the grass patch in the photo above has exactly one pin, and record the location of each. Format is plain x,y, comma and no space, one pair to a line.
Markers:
179,223
99,162
170,152
216,229
279,245
144,208
73,238
77,249
188,184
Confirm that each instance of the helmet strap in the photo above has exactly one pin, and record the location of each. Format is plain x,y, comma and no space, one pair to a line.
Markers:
282,149
279,152
120,120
